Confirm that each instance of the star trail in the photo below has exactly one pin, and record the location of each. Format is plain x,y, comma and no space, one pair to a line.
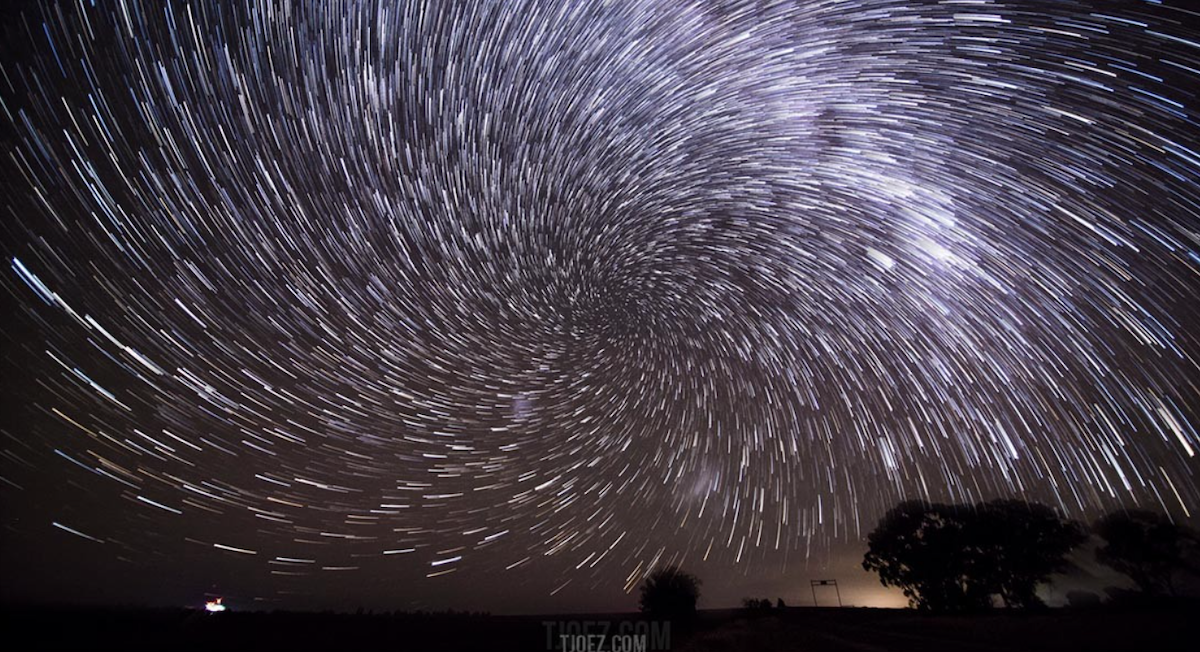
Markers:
563,291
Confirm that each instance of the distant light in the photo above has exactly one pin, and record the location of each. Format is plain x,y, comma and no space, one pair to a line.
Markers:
214,606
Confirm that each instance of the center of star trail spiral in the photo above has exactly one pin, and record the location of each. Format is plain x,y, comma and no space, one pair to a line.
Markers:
619,283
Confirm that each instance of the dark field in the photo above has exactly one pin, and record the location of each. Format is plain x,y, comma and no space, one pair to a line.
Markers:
1169,627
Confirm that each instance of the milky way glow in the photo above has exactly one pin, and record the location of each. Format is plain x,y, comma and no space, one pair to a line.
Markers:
492,287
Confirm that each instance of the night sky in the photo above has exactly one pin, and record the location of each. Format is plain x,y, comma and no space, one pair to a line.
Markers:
501,305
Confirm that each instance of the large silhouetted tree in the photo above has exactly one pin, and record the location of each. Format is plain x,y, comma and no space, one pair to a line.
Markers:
919,547
1020,546
670,593
1148,547
956,557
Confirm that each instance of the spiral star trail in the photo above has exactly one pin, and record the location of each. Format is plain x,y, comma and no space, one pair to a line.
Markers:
564,291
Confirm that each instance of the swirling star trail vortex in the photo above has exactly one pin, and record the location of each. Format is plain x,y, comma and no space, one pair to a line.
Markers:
597,285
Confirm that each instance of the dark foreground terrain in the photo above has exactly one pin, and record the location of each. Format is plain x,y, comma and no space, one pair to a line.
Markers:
1161,627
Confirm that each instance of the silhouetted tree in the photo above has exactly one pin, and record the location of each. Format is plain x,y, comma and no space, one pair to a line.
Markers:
956,557
670,593
1020,545
1147,547
919,547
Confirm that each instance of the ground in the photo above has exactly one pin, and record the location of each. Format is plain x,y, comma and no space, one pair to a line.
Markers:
1161,627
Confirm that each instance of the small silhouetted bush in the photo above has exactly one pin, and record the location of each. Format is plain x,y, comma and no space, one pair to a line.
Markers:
670,593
